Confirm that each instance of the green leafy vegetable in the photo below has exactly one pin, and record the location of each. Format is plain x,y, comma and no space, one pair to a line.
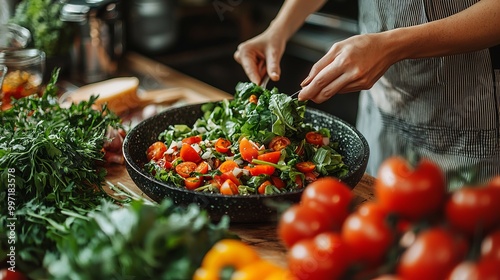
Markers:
66,225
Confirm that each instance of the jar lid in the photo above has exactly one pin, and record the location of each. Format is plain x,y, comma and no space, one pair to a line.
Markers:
22,57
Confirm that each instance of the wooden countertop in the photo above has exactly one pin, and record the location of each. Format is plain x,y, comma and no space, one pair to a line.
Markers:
262,237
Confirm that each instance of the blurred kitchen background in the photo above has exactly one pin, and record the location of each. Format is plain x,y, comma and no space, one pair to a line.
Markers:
199,37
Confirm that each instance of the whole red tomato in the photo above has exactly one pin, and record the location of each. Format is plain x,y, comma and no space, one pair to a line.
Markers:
325,256
480,270
433,255
301,222
413,193
490,246
331,196
6,274
368,234
474,209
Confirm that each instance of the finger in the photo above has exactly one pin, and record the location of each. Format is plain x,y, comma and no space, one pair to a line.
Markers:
251,67
319,82
273,64
321,64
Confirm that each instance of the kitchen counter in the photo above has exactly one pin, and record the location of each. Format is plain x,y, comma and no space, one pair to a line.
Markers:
153,75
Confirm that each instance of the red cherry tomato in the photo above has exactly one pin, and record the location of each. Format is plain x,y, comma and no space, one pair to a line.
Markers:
480,270
185,168
315,138
433,255
411,193
273,157
261,169
262,187
229,188
222,145
248,149
192,139
474,209
278,143
156,150
368,234
300,222
229,175
202,167
192,183
490,246
326,256
6,274
228,165
188,153
331,196
277,182
305,166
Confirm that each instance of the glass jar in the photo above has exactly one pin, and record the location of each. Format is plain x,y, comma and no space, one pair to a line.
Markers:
24,75
13,36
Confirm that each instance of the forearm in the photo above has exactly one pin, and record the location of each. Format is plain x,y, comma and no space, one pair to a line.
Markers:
475,28
292,15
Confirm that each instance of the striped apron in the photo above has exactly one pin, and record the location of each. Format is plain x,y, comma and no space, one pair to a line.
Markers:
446,109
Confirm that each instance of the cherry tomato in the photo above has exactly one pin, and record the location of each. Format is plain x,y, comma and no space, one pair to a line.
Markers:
167,165
315,138
188,153
192,139
262,187
229,188
277,182
305,166
311,176
222,145
331,196
480,270
490,246
474,209
433,255
278,143
248,149
228,165
301,222
202,167
6,274
229,175
253,99
185,168
156,150
368,234
192,183
261,169
411,193
273,157
326,256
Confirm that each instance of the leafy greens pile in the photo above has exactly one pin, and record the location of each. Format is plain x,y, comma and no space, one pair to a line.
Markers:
65,225
260,115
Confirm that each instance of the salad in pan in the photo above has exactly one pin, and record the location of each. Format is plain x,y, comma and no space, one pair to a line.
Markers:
256,143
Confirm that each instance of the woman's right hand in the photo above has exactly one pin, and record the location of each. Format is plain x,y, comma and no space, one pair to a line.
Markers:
261,55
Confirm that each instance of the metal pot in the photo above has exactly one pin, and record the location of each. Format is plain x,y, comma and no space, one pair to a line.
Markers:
98,41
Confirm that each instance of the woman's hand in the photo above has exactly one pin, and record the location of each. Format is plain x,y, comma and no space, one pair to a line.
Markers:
350,65
260,55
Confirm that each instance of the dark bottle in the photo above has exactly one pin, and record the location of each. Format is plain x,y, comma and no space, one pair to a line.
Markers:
151,25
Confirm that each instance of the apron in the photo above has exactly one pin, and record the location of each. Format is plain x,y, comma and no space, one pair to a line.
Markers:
446,109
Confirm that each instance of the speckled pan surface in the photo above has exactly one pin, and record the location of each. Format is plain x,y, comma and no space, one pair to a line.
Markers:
240,209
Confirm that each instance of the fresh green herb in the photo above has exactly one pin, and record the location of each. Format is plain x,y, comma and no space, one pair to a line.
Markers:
66,225
137,241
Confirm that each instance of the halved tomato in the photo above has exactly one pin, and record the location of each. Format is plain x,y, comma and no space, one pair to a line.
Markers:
185,168
188,153
273,157
278,143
